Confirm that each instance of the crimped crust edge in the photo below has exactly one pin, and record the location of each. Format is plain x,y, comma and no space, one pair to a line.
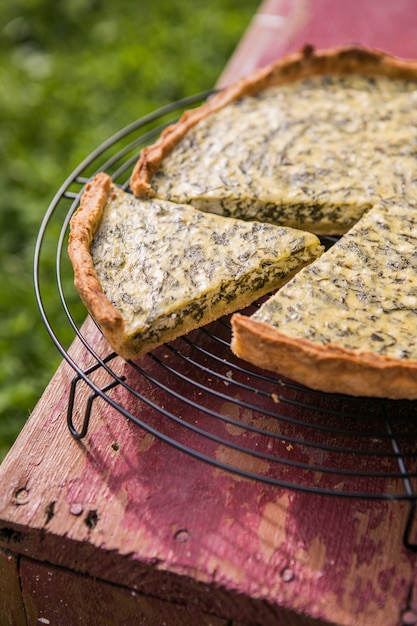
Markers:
84,224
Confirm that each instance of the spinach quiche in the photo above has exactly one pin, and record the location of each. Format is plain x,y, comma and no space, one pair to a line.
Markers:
149,270
311,142
324,141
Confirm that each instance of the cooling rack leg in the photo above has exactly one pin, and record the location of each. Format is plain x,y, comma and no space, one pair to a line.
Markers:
409,525
80,434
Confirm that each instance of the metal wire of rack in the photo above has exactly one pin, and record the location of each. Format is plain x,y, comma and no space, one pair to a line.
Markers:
275,430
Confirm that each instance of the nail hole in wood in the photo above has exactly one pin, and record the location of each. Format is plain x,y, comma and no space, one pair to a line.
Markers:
287,575
182,535
76,508
21,496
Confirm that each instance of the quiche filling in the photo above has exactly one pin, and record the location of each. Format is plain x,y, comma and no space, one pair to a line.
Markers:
361,294
168,268
313,154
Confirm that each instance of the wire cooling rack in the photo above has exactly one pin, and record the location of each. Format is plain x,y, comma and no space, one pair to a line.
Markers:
207,403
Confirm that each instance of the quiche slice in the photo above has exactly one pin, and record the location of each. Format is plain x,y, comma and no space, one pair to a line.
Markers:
149,270
312,141
348,322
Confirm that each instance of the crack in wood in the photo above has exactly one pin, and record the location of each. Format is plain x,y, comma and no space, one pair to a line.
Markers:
91,519
49,512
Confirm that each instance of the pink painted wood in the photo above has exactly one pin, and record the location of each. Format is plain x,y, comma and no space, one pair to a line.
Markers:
123,516
282,26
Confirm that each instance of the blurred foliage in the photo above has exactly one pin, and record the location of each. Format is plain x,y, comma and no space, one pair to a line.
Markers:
72,73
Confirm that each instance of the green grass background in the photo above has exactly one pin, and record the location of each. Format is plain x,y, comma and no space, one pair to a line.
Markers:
72,73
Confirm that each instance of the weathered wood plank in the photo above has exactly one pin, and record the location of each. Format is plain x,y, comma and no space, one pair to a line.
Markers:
60,598
11,604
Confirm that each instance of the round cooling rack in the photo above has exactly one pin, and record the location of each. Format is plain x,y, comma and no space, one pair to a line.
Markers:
195,395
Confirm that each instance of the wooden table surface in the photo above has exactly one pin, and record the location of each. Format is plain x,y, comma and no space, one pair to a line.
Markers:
121,528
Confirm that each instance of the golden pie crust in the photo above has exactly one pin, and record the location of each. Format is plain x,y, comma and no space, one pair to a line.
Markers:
84,224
